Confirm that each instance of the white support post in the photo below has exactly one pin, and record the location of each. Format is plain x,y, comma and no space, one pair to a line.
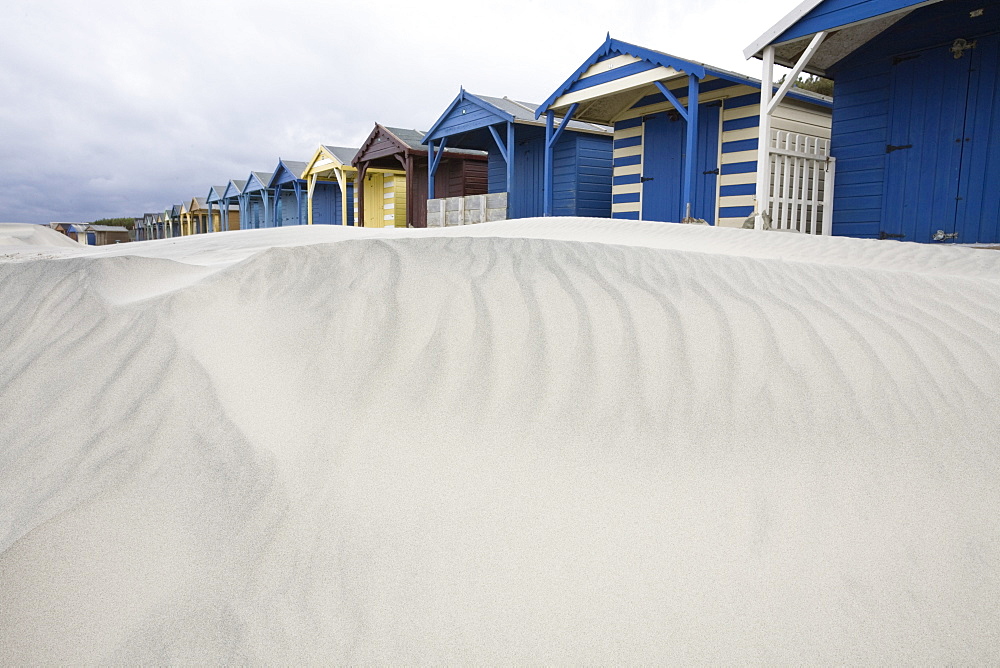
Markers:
793,76
764,139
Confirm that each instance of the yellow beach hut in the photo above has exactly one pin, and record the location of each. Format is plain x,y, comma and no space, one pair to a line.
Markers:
330,180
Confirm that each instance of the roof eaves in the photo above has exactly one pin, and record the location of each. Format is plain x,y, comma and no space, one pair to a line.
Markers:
625,48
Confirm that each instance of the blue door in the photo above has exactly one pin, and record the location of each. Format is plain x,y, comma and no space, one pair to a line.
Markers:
664,140
940,166
978,214
525,198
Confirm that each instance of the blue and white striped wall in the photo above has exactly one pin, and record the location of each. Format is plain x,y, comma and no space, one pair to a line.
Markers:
737,147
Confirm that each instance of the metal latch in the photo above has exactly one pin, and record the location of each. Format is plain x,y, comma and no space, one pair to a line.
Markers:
712,171
889,235
960,46
643,179
941,235
889,148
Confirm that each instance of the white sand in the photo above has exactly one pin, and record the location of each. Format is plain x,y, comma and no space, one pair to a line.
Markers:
549,441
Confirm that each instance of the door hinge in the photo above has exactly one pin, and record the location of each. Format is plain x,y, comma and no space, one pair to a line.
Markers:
889,148
902,59
941,235
887,235
960,46
712,171
643,179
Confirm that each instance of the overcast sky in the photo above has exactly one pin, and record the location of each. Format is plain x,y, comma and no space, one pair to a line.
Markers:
116,108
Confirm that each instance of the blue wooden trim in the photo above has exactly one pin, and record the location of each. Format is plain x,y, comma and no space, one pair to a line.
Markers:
748,167
832,14
738,189
562,126
627,160
692,137
743,100
465,96
625,215
630,123
510,161
434,159
499,141
628,141
616,47
741,123
706,86
547,165
740,145
672,99
612,75
625,198
626,179
275,204
735,211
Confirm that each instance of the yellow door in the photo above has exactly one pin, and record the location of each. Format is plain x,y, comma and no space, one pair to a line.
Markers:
373,200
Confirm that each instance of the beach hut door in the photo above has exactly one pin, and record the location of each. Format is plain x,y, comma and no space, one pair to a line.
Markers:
939,160
664,136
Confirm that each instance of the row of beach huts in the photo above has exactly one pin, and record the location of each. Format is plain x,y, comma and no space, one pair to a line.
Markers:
906,149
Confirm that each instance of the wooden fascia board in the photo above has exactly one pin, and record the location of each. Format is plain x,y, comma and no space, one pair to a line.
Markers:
313,167
779,29
365,154
604,49
612,87
560,98
447,112
465,96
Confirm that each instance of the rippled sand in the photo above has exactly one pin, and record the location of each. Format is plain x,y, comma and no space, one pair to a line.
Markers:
548,441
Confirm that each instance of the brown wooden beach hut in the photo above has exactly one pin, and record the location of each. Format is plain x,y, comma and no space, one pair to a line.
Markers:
392,166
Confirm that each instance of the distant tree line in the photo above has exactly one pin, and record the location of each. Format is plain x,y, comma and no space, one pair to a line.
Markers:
118,222
811,83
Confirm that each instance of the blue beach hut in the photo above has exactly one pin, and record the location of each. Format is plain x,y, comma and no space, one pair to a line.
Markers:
289,194
916,111
256,197
233,196
685,133
514,138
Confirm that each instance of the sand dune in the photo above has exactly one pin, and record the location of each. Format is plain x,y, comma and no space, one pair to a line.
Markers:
548,441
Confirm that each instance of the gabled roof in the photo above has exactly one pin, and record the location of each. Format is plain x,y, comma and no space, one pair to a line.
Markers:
215,194
341,153
503,109
234,188
604,91
257,181
411,138
850,26
612,47
197,204
287,170
328,158
106,228
406,141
